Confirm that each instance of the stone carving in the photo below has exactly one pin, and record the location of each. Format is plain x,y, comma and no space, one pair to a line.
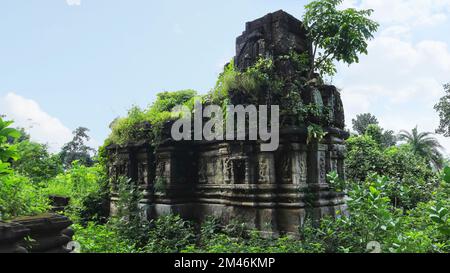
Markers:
272,35
286,169
161,170
322,168
233,179
227,170
50,232
263,170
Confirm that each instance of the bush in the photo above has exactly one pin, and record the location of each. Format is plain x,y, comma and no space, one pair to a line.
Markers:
20,197
412,181
86,188
95,238
36,162
142,124
169,234
364,156
129,220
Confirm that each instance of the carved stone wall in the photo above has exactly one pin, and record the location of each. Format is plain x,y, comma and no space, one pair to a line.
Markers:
270,191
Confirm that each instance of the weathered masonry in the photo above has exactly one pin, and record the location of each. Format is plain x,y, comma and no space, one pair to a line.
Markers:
270,191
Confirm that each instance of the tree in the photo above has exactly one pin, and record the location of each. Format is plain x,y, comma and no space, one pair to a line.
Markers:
363,121
443,108
424,145
7,151
36,162
364,156
24,136
384,138
389,138
77,149
337,35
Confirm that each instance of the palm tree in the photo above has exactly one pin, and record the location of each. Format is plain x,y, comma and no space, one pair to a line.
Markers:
424,145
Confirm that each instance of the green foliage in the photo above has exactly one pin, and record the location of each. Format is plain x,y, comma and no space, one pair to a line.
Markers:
412,181
384,138
362,122
224,84
336,183
77,150
146,124
363,157
425,146
7,151
85,186
36,162
341,35
368,124
20,197
95,238
245,86
169,234
129,222
443,109
423,229
315,133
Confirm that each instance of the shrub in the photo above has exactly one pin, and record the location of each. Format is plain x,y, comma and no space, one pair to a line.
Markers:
364,156
129,222
94,238
169,234
146,123
86,188
36,162
20,197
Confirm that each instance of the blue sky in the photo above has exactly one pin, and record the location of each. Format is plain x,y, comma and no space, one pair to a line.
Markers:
69,63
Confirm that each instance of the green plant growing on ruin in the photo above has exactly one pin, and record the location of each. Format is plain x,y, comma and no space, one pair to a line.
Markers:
337,35
315,133
146,124
336,183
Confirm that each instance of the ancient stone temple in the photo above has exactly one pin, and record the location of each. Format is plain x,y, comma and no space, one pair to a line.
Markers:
270,191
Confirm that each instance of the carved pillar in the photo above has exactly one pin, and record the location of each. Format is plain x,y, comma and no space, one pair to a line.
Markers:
164,164
332,159
299,164
340,158
317,163
266,168
225,157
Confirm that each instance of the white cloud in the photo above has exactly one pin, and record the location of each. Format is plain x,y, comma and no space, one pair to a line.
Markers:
73,2
410,12
42,127
401,78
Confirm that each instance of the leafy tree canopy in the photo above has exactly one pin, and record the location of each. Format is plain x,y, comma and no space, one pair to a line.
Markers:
424,145
77,150
384,138
7,151
337,35
36,162
362,122
443,108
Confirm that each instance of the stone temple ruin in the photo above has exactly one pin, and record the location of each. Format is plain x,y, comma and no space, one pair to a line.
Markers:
269,191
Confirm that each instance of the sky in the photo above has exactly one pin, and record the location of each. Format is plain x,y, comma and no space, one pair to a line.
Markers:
71,63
